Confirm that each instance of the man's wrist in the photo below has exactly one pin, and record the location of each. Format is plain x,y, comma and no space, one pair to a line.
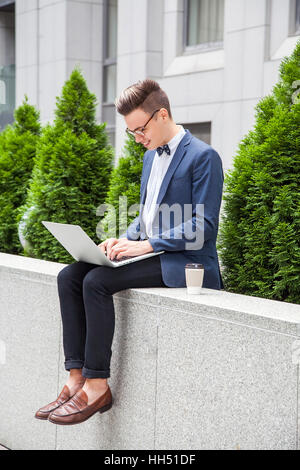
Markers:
148,246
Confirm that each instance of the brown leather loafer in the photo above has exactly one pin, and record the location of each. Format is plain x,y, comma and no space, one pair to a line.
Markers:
77,410
62,398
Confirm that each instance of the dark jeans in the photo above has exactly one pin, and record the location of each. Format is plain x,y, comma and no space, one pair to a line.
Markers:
88,317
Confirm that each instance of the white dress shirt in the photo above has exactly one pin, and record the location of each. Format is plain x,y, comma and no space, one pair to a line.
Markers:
159,168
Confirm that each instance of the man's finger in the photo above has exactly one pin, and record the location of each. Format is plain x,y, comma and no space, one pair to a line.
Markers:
102,246
109,245
112,253
116,249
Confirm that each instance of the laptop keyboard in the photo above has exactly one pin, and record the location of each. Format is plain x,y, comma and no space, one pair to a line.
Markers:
122,259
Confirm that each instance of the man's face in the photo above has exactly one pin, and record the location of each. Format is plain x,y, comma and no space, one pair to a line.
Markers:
153,132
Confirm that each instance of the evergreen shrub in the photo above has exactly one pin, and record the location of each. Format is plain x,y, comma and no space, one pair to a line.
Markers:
259,232
124,183
71,175
17,155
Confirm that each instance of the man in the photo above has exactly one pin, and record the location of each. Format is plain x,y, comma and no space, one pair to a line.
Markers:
179,170
191,174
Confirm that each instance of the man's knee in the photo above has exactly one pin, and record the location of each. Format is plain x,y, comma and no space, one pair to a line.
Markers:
68,273
97,279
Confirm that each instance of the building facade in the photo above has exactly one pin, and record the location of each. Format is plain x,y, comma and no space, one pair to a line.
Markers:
215,58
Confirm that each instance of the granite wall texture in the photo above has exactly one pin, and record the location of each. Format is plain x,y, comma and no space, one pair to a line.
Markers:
210,371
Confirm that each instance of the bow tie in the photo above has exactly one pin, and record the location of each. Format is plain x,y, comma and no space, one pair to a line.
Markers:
165,148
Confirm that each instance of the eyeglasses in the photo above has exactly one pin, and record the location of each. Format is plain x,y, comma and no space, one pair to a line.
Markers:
140,130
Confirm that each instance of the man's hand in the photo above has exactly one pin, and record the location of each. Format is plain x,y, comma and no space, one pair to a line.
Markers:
107,245
117,248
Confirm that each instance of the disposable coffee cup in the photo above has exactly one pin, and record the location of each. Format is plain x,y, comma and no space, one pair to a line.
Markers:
194,274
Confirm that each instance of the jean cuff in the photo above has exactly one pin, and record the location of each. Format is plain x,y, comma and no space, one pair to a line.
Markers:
73,364
95,374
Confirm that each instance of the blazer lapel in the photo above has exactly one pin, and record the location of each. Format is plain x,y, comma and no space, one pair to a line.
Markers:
178,156
147,171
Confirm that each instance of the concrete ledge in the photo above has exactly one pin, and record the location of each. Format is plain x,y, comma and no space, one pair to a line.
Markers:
210,371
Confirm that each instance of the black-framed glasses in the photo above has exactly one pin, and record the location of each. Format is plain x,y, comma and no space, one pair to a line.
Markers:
140,130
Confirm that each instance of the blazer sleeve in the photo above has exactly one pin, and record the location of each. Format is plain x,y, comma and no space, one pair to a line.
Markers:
133,231
207,186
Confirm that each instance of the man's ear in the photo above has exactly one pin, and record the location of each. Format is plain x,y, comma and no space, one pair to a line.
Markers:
164,114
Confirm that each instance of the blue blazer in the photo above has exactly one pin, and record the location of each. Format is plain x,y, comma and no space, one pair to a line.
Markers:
194,176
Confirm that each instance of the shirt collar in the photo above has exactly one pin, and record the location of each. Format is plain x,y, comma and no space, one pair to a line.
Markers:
174,142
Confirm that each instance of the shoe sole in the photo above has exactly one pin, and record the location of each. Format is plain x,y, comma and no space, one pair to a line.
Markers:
102,410
43,419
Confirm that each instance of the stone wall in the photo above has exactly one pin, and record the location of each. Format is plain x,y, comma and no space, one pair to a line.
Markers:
210,371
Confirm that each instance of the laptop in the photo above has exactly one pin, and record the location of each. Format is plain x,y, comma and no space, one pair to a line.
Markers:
77,242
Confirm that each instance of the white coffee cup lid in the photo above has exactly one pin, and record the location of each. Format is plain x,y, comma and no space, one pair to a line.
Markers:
194,266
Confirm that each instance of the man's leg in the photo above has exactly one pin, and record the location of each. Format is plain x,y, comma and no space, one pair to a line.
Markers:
69,283
99,285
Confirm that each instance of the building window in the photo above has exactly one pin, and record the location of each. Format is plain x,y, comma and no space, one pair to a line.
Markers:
204,23
110,65
297,17
200,130
7,95
294,17
7,63
2,92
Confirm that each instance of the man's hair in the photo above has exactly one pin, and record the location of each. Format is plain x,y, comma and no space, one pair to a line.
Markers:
146,95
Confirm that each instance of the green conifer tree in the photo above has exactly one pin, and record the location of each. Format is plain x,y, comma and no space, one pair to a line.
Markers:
125,182
71,175
17,153
259,232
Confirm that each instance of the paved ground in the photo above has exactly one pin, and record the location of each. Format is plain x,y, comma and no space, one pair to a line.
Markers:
2,448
